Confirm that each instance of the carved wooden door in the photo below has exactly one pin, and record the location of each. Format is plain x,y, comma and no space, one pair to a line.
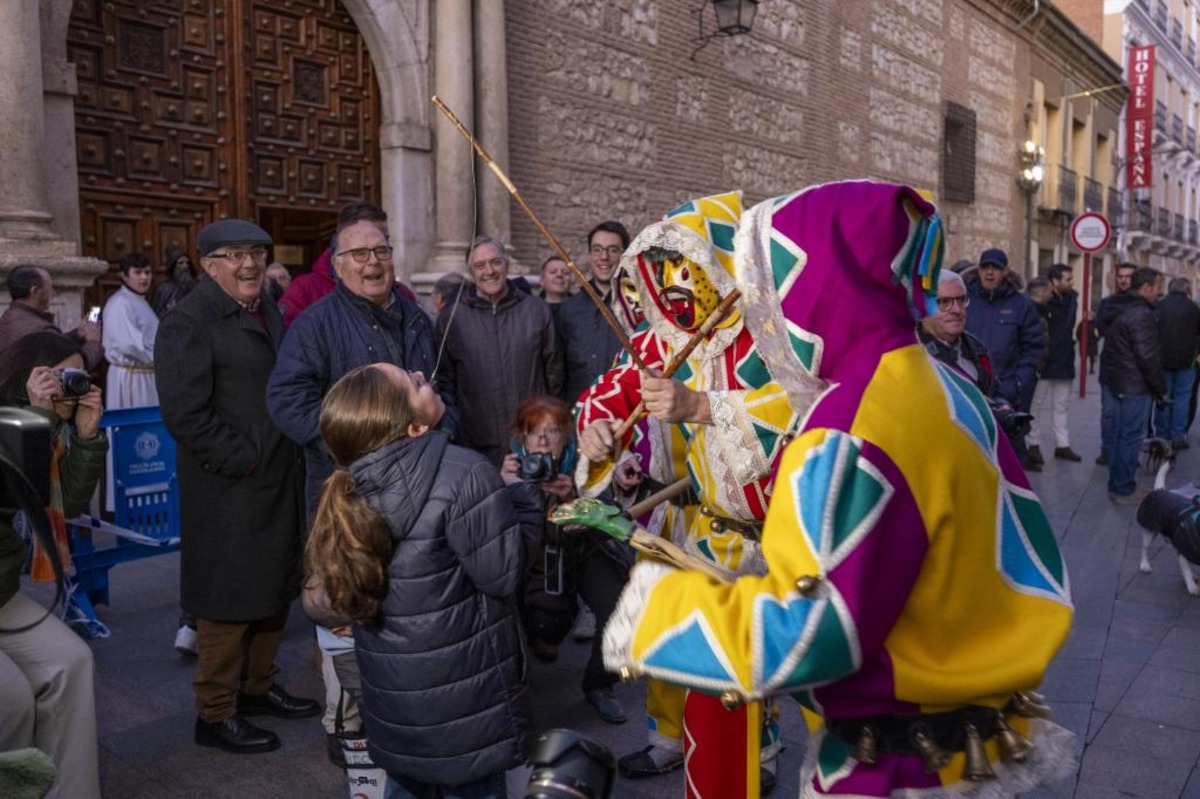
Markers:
194,110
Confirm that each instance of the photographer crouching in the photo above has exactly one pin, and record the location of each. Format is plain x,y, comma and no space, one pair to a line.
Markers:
46,670
569,565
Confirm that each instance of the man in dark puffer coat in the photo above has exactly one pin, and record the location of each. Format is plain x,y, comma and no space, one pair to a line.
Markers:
449,643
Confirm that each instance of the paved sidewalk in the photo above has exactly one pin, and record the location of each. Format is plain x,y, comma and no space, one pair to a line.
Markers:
1127,682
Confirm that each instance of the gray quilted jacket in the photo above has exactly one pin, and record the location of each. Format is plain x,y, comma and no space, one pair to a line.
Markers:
445,697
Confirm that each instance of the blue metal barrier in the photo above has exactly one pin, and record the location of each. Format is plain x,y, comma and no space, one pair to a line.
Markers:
146,494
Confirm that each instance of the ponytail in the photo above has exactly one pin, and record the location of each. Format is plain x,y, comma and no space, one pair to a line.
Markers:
349,550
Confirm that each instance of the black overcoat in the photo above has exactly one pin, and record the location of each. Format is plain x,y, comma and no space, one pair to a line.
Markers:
240,479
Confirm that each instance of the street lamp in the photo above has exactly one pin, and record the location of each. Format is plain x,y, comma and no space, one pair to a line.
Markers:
734,17
1030,180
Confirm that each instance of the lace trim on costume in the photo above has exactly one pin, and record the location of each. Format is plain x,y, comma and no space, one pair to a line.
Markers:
627,616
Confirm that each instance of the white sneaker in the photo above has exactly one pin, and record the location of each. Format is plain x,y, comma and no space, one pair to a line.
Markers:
185,641
585,625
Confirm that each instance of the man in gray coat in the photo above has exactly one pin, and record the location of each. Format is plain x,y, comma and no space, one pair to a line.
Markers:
241,506
499,346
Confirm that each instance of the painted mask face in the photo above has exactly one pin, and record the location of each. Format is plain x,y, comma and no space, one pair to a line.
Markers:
681,288
628,301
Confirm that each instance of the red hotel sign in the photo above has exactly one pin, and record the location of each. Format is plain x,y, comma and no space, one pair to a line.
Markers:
1139,118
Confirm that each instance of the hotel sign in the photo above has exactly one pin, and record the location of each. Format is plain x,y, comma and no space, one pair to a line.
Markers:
1139,118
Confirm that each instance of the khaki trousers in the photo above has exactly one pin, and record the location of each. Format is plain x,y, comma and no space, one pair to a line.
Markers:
47,699
233,654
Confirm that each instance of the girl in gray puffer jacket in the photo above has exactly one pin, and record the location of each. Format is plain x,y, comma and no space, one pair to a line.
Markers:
419,543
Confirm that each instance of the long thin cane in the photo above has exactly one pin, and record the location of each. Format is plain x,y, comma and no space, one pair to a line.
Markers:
626,344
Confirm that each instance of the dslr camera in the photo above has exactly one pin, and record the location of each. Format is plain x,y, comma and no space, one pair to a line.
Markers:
537,467
567,765
1015,424
75,382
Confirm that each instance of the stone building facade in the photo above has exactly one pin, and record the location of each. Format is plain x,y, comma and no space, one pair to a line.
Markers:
604,110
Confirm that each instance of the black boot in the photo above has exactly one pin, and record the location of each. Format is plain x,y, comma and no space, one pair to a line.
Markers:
236,735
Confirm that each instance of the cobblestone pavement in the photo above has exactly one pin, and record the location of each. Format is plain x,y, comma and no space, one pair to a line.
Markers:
1127,682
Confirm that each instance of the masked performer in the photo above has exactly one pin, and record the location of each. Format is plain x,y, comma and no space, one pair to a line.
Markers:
720,420
914,592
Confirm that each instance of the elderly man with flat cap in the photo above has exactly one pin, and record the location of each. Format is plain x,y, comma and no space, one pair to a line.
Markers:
241,501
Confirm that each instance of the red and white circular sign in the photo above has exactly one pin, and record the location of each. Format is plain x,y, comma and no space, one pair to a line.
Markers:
1090,232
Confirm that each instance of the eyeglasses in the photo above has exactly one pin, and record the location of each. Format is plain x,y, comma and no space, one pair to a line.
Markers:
946,303
612,249
363,254
238,257
549,436
494,263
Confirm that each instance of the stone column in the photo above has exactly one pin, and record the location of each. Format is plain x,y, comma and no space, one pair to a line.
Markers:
491,81
27,235
23,213
455,159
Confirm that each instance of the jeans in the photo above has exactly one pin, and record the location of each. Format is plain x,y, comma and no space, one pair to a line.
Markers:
490,787
1171,422
1132,413
1108,419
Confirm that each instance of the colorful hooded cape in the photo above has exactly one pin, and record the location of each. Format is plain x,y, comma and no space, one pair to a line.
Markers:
938,579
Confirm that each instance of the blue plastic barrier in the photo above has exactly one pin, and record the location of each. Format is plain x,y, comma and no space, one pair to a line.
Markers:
146,494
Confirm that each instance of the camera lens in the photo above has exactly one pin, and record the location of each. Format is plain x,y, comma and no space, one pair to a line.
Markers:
75,383
566,765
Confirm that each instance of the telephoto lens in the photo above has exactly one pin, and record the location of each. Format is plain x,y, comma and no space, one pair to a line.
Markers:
566,765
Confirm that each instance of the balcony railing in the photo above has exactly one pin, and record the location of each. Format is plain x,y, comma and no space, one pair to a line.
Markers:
1191,50
1144,4
1068,189
1115,209
1161,14
1190,138
1177,230
1142,217
1177,128
1093,195
1163,227
1177,33
1193,231
1160,116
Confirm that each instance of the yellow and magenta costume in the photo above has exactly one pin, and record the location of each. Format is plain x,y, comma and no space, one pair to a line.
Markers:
911,571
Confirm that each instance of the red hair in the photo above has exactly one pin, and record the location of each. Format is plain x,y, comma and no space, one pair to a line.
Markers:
533,410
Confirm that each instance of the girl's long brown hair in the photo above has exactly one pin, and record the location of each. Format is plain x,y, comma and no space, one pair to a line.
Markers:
350,544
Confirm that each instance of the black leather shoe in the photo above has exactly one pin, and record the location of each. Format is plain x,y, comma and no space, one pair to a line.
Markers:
606,705
277,702
236,735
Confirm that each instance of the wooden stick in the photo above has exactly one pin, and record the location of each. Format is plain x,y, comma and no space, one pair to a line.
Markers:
657,498
605,311
660,548
678,358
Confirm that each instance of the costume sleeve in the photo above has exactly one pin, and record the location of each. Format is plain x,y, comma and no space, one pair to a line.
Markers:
298,382
183,370
613,397
844,544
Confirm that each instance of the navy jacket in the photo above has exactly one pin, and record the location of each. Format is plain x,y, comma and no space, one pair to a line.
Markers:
589,344
1008,324
1179,331
445,697
1059,313
334,335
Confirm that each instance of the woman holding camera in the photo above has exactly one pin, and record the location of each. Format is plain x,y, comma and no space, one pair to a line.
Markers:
46,671
572,564
419,543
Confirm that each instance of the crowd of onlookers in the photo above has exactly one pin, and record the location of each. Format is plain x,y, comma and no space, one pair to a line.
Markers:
336,439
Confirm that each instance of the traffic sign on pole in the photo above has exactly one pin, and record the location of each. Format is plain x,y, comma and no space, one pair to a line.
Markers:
1090,232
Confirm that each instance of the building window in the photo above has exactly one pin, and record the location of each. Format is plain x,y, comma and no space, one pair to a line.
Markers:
958,154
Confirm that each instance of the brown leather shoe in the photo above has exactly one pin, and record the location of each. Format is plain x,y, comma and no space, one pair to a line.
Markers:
1067,454
1035,455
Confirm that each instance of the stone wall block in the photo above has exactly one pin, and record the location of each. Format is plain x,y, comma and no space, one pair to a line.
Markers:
594,68
900,160
692,98
929,10
767,118
638,20
574,132
761,63
996,78
988,42
896,72
849,142
907,34
852,50
897,114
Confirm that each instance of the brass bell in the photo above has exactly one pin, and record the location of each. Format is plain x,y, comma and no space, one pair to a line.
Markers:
1014,747
808,585
628,675
705,510
978,768
933,757
866,750
716,526
732,700
1031,704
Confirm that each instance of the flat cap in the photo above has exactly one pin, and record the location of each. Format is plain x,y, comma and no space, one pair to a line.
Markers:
994,256
228,232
